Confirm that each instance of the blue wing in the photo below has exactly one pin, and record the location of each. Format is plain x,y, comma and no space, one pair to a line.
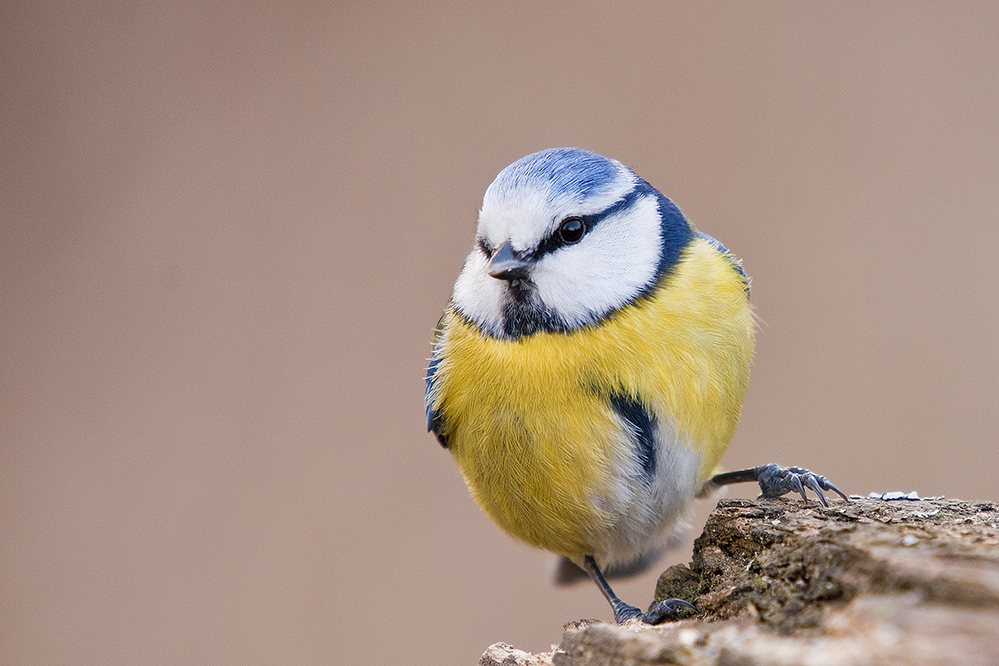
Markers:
434,420
728,255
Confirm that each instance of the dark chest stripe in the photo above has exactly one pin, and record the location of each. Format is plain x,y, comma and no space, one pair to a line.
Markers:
644,426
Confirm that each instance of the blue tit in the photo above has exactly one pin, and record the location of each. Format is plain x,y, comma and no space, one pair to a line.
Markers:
589,370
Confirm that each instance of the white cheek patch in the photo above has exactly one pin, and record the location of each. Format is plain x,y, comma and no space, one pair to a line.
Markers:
478,295
613,263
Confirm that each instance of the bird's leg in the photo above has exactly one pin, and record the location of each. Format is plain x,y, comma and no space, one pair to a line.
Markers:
664,611
776,480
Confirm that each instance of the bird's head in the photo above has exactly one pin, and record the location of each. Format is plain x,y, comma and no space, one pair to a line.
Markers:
565,237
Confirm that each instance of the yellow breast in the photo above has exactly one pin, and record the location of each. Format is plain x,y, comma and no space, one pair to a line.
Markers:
529,420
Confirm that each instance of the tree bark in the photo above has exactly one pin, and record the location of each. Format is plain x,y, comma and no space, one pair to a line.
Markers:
790,582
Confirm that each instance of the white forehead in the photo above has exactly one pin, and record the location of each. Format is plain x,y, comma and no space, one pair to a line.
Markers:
531,196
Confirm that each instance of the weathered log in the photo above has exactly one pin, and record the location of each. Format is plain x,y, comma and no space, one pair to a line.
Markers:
790,582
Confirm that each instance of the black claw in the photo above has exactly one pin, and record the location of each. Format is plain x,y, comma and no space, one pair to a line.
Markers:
796,482
813,483
669,610
829,486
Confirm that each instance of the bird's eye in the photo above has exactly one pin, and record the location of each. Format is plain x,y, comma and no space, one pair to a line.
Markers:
571,230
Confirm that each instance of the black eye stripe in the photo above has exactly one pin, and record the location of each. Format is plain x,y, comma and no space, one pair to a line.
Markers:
555,240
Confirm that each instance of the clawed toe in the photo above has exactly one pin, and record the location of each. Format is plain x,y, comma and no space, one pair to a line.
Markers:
669,610
777,480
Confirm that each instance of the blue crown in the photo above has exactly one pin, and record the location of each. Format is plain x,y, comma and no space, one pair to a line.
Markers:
560,171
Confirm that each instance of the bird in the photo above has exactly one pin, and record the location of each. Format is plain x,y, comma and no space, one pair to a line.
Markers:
589,370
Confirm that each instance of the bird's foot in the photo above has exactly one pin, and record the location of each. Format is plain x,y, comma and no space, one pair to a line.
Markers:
776,480
667,610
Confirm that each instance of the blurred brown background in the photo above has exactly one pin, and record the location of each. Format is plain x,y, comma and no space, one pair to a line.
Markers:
228,230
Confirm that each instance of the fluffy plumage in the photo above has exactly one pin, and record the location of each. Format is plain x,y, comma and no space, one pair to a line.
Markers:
589,371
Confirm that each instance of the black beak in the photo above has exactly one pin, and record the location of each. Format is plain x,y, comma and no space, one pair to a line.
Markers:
506,266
